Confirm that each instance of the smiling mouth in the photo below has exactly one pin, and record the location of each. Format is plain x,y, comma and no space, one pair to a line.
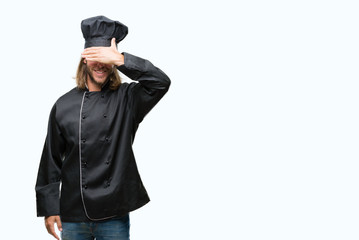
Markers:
99,72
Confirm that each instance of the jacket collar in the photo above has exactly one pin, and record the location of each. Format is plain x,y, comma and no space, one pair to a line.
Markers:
104,87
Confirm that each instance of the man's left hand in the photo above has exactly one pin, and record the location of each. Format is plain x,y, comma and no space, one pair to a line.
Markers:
106,55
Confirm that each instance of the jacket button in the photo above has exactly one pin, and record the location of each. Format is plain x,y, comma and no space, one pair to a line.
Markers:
102,95
85,186
87,95
108,184
107,162
107,139
83,116
83,140
105,116
84,164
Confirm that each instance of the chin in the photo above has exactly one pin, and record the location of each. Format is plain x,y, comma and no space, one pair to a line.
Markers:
100,81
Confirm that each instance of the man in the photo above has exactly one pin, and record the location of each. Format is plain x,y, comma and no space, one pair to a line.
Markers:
88,147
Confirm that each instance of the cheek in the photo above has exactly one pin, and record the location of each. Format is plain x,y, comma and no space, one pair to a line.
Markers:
91,64
108,66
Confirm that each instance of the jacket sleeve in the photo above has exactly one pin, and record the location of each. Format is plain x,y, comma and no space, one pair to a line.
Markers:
49,175
152,84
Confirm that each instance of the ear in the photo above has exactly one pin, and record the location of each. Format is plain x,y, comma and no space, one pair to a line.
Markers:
85,60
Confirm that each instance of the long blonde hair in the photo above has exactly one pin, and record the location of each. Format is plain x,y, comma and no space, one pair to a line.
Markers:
81,76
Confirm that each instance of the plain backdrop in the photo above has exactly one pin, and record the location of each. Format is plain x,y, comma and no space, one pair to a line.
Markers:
256,139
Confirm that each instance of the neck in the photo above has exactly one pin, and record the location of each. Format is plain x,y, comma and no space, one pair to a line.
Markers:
92,87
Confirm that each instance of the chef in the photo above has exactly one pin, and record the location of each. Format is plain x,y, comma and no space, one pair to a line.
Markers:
88,180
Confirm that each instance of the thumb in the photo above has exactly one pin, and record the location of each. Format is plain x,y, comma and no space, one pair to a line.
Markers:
113,43
58,223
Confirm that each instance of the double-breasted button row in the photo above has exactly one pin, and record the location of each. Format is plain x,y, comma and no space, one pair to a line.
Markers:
84,164
107,139
104,116
107,183
84,116
87,94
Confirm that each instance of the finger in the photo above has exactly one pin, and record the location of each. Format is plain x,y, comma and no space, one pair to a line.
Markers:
48,223
113,43
58,223
92,48
55,236
91,51
51,230
91,56
96,49
94,59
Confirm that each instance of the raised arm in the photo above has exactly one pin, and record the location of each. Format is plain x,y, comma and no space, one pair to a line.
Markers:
152,84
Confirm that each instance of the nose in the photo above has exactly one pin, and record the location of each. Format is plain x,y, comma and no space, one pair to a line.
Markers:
99,64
